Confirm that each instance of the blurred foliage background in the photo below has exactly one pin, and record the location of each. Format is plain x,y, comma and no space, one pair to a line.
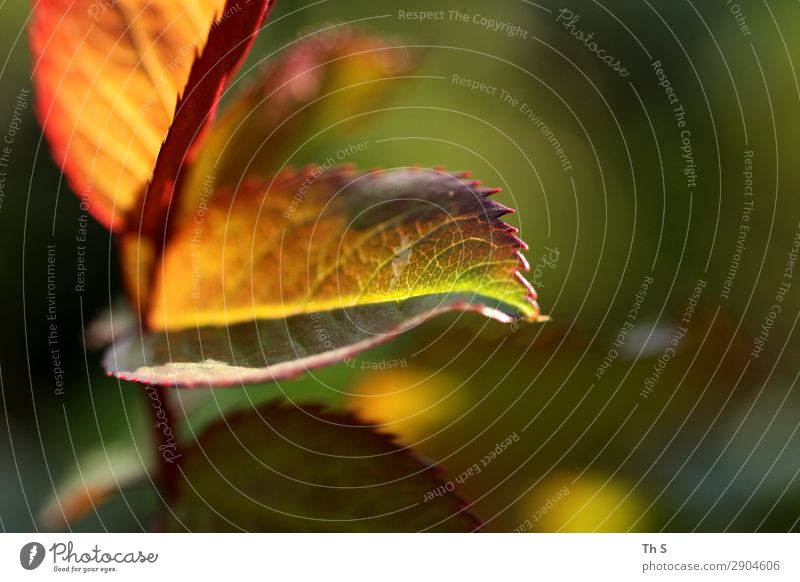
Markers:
711,445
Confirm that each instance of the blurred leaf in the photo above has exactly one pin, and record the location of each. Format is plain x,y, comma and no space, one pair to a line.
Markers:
108,77
297,103
109,322
293,469
101,475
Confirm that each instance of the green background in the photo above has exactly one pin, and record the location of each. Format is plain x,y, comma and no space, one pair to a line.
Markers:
714,447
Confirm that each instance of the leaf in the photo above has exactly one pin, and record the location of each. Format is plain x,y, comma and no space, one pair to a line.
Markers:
270,349
290,469
267,285
108,76
315,240
283,108
332,76
98,477
229,42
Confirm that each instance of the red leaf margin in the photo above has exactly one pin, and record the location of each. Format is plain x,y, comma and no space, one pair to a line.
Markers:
228,44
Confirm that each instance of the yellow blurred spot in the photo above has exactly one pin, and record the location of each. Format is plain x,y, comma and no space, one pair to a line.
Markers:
411,403
592,504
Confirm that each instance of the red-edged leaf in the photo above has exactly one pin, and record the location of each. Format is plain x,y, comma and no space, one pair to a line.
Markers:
107,77
268,284
229,42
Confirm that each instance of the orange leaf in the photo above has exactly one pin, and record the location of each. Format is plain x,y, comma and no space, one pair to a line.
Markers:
228,44
108,76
